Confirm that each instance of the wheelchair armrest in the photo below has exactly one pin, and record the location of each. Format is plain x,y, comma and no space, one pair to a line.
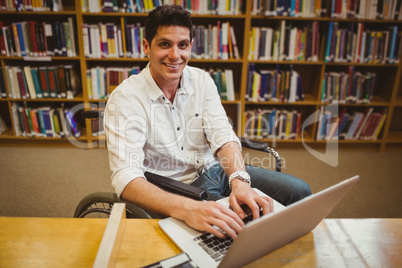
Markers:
255,145
176,187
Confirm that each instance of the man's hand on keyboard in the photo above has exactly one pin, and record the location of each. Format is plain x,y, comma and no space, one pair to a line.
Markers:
242,193
212,217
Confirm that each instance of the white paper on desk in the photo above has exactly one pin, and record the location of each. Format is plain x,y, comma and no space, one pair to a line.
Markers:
179,261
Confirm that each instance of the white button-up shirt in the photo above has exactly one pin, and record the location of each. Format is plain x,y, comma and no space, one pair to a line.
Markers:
146,132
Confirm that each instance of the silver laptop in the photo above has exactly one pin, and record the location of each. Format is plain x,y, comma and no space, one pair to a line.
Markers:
261,236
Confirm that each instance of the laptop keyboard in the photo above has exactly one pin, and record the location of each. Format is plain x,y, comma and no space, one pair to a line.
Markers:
214,246
217,247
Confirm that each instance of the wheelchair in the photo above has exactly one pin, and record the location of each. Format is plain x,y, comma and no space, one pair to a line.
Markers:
100,204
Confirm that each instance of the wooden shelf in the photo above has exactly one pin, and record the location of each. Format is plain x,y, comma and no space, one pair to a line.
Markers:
398,101
395,137
40,13
78,98
8,134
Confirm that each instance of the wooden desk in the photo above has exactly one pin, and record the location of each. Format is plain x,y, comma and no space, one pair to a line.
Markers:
55,242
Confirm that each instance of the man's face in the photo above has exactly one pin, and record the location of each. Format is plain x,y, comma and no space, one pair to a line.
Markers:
169,53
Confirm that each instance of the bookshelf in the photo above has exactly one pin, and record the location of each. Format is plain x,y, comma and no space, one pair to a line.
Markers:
386,92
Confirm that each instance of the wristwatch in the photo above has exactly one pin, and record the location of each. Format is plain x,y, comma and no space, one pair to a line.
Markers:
241,175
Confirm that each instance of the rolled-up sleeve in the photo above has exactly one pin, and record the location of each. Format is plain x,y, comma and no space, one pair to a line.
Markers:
126,133
217,126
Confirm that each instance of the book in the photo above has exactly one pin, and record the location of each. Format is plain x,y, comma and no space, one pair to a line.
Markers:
71,36
3,91
41,39
51,40
3,42
264,85
67,38
36,82
225,40
29,81
23,87
356,119
53,83
256,87
250,75
34,120
61,82
362,123
378,127
62,121
73,84
236,53
41,123
47,119
7,78
230,85
86,40
217,77
9,41
44,81
16,39
62,42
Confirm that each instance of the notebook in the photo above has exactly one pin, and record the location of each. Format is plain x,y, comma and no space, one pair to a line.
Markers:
263,235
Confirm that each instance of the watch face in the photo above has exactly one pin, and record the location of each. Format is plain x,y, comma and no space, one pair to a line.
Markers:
244,175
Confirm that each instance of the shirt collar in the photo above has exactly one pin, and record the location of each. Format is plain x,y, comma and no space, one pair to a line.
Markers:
155,92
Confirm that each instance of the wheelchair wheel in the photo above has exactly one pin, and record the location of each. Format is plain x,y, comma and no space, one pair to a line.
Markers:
100,204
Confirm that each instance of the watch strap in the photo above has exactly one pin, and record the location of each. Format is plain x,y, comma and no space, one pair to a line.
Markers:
241,175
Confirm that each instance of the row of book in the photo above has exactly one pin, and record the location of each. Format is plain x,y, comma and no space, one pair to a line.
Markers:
36,39
277,85
215,42
111,40
124,6
353,125
221,7
272,124
47,121
356,44
224,82
101,81
29,82
290,8
31,5
361,9
346,9
285,43
351,87
366,9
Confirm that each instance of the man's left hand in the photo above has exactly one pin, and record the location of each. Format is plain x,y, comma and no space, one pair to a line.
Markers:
242,193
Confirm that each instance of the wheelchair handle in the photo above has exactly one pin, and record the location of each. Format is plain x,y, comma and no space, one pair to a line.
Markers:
93,113
264,147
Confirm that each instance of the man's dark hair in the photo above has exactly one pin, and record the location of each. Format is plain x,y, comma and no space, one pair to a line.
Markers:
166,15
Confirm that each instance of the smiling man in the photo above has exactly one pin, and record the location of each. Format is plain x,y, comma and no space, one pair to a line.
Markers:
169,120
169,54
